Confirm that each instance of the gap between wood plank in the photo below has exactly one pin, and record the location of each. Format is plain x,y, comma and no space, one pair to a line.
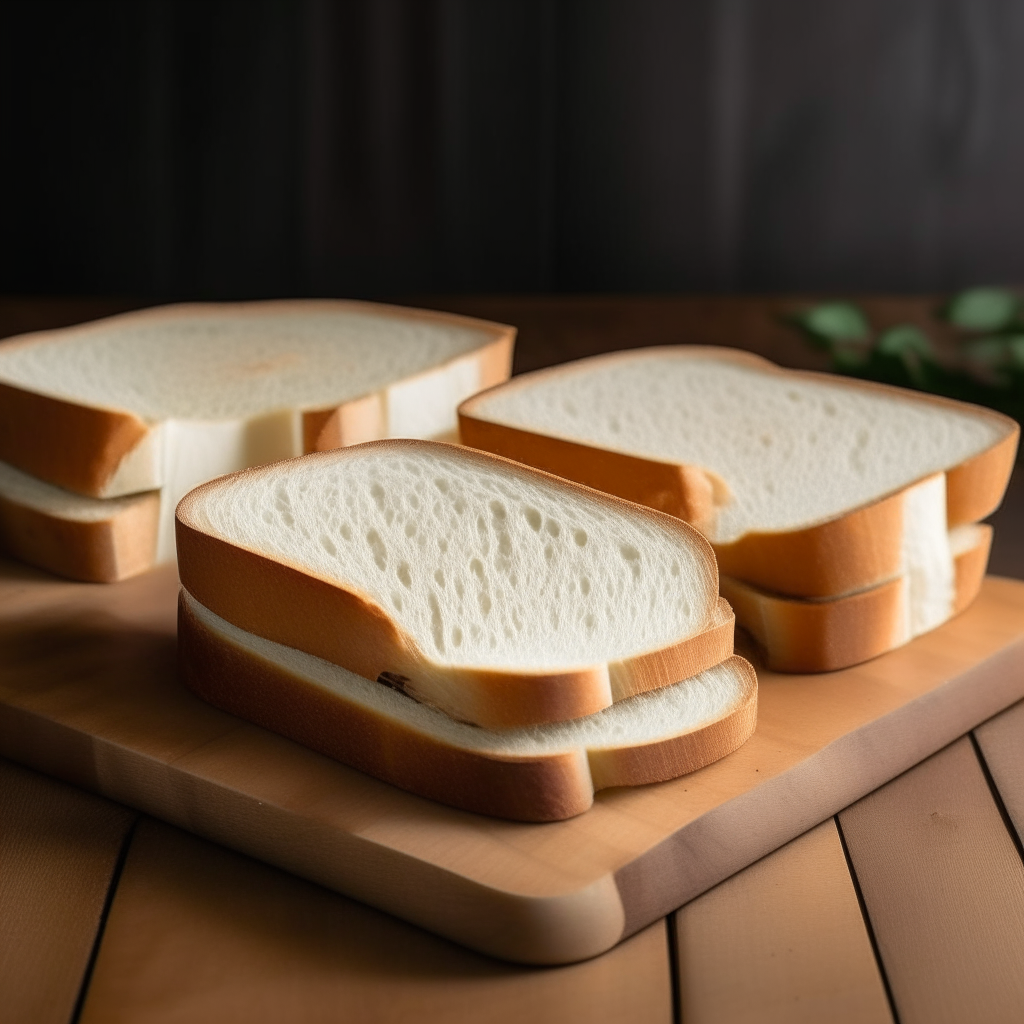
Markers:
115,879
867,922
997,796
673,968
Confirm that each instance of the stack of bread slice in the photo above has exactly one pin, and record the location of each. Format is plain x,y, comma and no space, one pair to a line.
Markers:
844,514
460,625
103,427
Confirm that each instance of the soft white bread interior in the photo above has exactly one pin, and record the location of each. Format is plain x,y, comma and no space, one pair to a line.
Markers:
165,399
539,773
807,635
499,594
800,480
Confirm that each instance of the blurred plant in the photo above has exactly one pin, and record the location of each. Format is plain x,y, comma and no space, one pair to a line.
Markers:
987,365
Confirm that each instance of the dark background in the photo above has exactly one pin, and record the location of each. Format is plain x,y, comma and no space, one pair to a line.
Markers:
250,148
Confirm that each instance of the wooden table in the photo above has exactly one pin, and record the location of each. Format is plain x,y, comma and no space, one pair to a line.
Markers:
909,905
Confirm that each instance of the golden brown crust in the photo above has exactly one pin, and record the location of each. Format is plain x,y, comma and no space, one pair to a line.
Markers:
975,488
822,636
102,551
290,606
680,755
238,681
848,553
73,446
540,788
833,558
80,447
685,492
970,566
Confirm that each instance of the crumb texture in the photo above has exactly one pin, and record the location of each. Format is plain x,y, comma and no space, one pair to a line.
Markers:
225,362
793,451
482,563
648,718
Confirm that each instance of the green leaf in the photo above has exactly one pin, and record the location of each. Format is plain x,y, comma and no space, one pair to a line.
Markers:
835,321
982,309
904,340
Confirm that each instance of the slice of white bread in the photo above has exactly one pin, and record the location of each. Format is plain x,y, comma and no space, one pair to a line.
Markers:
502,595
797,635
538,773
804,482
167,398
90,539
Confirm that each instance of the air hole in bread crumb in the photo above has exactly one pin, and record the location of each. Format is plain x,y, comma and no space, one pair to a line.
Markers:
439,576
346,531
410,529
379,498
405,574
377,549
533,517
456,637
329,546
442,485
436,623
553,528
580,536
549,552
584,586
498,511
588,620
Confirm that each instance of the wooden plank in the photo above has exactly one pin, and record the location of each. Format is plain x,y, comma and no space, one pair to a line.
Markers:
782,941
58,850
88,693
944,890
1001,740
199,933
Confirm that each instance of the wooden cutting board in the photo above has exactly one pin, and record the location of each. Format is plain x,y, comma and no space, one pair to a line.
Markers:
88,694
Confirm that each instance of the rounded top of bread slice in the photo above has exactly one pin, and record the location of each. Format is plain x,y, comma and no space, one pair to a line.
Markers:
793,448
222,361
479,561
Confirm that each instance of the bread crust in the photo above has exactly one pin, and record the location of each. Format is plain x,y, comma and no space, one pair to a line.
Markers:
97,551
822,636
290,606
73,446
540,788
838,556
80,447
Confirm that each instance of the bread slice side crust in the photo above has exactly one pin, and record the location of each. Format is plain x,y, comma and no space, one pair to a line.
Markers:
92,551
80,447
859,549
288,605
823,636
546,787
72,446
